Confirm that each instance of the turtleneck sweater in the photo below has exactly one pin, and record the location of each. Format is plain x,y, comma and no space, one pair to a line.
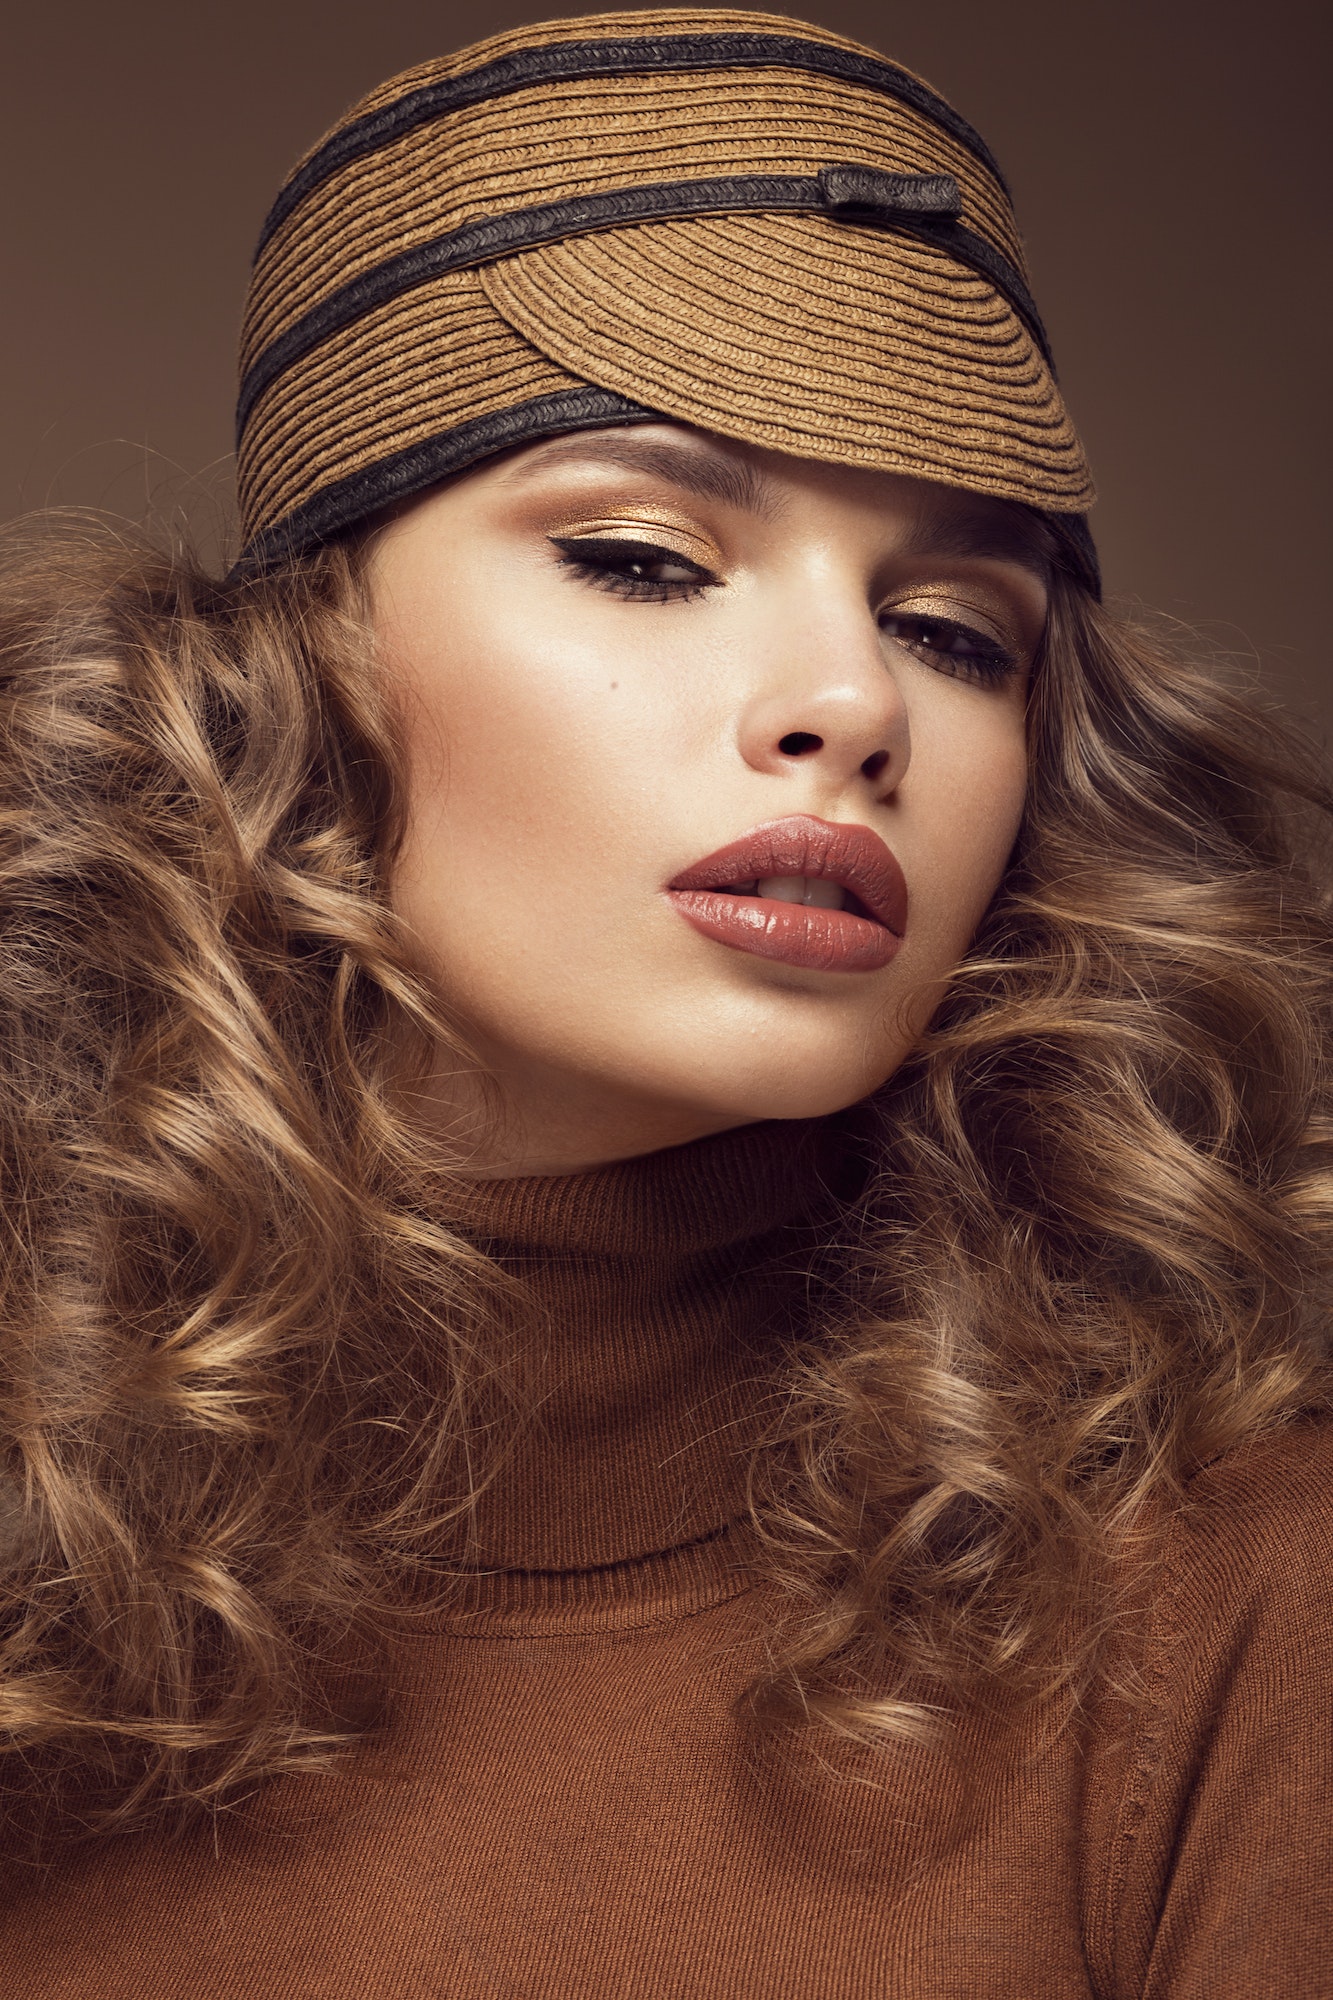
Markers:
561,1802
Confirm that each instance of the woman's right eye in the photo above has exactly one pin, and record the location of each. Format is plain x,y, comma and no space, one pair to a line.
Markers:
643,570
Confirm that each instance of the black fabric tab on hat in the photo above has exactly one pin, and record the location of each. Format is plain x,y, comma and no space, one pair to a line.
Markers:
488,237
862,193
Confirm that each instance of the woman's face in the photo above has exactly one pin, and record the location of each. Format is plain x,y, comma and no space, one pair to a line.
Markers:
623,652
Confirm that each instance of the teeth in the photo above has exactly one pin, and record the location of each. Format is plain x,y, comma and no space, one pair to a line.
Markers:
783,888
811,890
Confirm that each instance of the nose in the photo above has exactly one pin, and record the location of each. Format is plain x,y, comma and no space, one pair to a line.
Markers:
826,697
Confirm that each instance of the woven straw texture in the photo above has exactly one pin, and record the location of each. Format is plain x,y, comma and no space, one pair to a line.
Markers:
809,334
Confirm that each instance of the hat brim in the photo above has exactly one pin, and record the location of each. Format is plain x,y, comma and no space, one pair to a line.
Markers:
822,339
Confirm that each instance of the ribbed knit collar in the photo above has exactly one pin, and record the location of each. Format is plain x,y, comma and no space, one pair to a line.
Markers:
660,1295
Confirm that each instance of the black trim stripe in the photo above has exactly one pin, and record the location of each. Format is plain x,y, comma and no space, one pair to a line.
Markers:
493,236
355,498
410,471
564,62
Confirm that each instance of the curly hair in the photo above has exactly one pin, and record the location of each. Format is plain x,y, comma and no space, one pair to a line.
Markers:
248,1378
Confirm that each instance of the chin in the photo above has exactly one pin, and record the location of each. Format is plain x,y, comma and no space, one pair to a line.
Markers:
746,1091
800,1054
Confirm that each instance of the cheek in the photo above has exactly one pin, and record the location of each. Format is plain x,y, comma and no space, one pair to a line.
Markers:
966,812
529,743
505,726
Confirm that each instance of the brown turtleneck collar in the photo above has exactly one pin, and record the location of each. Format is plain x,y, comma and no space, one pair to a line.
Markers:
659,1294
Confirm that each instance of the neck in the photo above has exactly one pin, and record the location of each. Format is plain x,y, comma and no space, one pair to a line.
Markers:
506,1125
658,1296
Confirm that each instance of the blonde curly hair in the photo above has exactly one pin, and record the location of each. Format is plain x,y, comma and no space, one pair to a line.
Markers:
248,1387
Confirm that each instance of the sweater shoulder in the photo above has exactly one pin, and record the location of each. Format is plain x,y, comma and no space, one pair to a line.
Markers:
1219,1835
1291,1461
1241,1618
1258,1521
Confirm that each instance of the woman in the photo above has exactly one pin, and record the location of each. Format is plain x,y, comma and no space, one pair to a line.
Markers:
665,1117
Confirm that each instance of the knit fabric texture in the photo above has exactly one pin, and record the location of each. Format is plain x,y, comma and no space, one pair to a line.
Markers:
620,216
562,1802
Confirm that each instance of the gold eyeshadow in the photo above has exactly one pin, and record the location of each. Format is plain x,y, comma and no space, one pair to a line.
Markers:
965,605
685,537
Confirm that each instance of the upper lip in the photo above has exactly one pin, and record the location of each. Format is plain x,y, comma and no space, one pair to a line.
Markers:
832,850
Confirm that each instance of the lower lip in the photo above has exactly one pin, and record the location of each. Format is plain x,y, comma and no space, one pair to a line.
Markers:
792,933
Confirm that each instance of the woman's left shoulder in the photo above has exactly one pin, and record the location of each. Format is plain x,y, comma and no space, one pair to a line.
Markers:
1259,1519
1241,1618
1216,1853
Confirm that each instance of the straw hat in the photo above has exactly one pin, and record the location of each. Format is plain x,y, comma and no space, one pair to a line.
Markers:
734,220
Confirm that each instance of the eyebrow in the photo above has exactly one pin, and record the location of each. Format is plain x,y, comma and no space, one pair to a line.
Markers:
709,475
963,531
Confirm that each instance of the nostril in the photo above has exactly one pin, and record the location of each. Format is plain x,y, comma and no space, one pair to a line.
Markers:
800,743
875,764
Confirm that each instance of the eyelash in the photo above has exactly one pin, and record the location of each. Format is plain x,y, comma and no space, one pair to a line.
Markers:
603,561
986,664
606,562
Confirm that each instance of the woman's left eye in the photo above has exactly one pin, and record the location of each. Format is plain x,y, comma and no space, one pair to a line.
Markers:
950,646
644,570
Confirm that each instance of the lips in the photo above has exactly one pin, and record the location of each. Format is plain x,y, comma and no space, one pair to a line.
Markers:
788,860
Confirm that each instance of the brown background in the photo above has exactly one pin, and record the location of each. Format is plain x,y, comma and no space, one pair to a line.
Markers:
1166,158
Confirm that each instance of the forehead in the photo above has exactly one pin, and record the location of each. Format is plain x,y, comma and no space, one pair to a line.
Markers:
941,520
